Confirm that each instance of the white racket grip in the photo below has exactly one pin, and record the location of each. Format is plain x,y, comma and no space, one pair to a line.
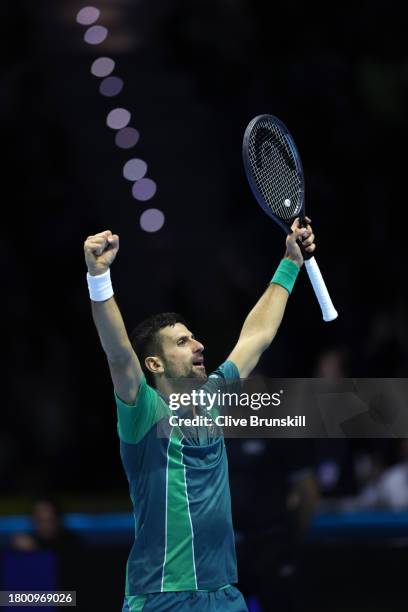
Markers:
328,310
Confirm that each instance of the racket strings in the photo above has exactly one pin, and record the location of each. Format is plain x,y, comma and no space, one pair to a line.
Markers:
274,169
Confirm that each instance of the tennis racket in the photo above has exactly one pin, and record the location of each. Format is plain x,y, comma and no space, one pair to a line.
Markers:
275,175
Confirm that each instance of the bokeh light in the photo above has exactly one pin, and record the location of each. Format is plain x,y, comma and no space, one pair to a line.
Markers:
144,189
111,86
134,169
102,67
95,35
88,15
152,220
118,118
127,138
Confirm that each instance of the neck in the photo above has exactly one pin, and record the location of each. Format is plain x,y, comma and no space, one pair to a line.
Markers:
166,387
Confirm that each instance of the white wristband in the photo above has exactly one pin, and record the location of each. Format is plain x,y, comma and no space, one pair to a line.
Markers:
100,287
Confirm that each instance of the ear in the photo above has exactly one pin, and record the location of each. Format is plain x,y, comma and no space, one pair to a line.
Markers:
154,365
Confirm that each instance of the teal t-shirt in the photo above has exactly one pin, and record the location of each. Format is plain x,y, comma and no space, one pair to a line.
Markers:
179,487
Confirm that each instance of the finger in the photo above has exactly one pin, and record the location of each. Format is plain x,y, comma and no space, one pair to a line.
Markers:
301,233
311,248
104,234
96,245
295,225
98,239
100,236
297,229
113,241
308,241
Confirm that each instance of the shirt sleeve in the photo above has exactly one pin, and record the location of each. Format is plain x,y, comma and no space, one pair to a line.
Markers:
224,375
135,420
228,369
225,379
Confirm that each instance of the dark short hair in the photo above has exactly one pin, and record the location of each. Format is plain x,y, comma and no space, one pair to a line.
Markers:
145,337
50,501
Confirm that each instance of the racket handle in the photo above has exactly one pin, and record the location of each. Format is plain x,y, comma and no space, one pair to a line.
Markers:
328,310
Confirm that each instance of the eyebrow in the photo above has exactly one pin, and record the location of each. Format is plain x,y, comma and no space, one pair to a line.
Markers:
185,337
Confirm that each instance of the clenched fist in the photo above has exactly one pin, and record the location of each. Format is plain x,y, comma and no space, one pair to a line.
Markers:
100,251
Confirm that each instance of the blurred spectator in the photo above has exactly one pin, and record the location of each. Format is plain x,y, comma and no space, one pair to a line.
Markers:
393,485
381,487
274,496
387,489
333,459
369,468
333,363
49,532
387,343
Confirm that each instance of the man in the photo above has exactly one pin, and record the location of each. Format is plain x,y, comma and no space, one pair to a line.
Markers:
183,557
49,532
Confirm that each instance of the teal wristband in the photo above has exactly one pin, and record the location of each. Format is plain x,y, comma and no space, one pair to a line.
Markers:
286,274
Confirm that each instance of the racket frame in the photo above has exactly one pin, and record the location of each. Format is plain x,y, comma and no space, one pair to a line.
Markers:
328,311
285,225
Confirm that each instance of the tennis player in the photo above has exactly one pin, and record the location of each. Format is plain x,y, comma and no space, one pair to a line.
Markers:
183,557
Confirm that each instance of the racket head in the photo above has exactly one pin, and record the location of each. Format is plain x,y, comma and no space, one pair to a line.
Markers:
274,169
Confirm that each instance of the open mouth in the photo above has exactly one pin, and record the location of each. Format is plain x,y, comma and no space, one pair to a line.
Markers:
199,363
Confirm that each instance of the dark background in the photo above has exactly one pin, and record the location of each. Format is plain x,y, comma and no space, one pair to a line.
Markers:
195,73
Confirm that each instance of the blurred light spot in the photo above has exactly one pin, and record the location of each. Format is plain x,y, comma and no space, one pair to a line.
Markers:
127,138
328,473
102,66
88,15
144,189
95,35
152,220
111,86
118,118
134,169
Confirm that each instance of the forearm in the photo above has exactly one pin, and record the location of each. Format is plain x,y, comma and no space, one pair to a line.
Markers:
111,330
126,372
264,319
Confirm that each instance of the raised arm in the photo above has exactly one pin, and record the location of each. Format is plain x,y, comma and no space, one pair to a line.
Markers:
263,321
125,369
